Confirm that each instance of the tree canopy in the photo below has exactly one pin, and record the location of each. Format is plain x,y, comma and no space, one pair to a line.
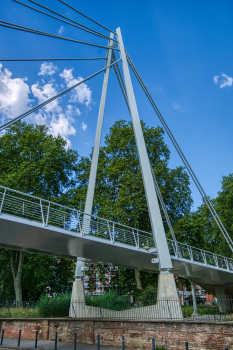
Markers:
119,190
35,162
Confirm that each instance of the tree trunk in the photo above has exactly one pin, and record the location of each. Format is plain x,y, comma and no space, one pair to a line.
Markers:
17,269
138,279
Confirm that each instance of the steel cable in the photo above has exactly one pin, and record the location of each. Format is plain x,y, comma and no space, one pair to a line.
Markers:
25,114
62,20
183,158
71,20
34,31
51,59
124,92
86,16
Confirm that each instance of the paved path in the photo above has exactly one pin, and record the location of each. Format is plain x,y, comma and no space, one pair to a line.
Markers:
12,343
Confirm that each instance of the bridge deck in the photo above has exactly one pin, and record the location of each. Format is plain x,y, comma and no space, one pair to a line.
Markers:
30,224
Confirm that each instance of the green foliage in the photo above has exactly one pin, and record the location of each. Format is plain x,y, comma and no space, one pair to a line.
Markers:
148,295
54,307
41,272
110,301
204,309
200,229
35,162
119,191
160,348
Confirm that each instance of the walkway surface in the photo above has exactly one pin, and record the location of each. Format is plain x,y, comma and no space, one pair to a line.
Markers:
12,343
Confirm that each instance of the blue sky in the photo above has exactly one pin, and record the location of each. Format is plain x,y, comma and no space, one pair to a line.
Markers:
183,51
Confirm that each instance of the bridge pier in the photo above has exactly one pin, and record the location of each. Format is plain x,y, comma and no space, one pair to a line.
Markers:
195,312
222,299
167,296
78,295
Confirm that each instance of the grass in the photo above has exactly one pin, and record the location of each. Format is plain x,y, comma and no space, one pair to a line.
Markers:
18,312
109,301
202,310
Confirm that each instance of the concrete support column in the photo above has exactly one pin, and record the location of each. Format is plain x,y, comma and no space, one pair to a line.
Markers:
222,299
195,312
168,303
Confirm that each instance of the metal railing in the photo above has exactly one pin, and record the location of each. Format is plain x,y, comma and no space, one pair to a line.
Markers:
49,213
218,309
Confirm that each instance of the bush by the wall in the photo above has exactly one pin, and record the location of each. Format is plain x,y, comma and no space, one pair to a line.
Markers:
110,301
54,307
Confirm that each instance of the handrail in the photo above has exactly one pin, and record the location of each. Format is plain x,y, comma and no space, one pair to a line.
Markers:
45,211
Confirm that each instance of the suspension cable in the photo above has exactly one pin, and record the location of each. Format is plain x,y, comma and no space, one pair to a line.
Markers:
25,114
51,59
87,17
124,92
62,20
187,165
34,31
71,20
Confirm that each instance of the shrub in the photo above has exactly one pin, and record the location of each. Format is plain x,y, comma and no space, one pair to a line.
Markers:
54,307
109,301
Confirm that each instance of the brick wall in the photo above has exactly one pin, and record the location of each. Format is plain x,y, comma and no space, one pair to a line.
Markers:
171,334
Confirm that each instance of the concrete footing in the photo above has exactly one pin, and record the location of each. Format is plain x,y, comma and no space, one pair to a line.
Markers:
222,299
167,306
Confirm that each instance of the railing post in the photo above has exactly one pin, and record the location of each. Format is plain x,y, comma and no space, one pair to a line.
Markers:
109,230
216,260
42,214
3,196
79,223
135,240
98,342
227,264
47,218
64,223
187,345
138,240
113,232
204,257
190,252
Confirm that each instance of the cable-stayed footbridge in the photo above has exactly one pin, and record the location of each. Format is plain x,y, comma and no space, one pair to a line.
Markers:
35,225
32,224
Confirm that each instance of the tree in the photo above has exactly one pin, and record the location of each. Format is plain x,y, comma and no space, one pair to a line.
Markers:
119,190
35,162
199,228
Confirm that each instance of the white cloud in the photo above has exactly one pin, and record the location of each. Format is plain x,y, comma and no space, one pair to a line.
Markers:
216,79
86,143
227,81
44,93
47,69
78,111
84,126
176,106
82,93
60,119
61,30
157,89
14,95
223,80
62,124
